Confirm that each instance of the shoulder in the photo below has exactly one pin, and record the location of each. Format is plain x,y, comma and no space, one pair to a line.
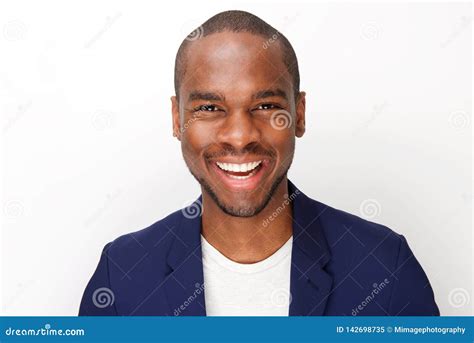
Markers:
152,240
352,239
371,255
337,224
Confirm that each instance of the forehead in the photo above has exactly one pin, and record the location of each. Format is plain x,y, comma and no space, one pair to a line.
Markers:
234,64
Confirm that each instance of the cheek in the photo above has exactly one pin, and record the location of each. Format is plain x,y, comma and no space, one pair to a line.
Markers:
193,142
285,148
283,142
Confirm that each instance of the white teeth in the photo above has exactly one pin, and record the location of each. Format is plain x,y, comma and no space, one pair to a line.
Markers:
242,167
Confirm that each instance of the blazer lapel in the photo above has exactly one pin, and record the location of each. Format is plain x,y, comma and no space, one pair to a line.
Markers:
310,284
184,285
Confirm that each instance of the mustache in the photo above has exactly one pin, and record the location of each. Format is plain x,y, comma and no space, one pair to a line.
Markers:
229,150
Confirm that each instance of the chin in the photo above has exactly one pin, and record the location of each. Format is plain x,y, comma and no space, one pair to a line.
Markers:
246,208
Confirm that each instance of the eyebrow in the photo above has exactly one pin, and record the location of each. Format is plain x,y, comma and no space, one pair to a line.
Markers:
267,93
209,96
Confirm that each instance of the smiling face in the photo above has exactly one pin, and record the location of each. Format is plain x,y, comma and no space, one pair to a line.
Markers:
237,118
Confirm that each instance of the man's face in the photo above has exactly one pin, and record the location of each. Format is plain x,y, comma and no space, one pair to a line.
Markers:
237,119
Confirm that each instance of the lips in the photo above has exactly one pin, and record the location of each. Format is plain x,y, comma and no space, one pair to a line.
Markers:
241,176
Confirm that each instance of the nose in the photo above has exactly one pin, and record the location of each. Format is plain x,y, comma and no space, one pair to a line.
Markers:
239,130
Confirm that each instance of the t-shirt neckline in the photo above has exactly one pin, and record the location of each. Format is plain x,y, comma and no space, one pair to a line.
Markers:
208,251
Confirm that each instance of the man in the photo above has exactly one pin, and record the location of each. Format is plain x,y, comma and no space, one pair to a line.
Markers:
253,243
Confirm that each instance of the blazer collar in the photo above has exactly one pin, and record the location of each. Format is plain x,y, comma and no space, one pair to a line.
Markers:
310,284
186,280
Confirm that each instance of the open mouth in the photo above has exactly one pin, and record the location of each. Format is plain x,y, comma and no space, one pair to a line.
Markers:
240,171
241,176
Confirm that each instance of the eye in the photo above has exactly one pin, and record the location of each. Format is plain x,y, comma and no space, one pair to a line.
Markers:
206,108
267,107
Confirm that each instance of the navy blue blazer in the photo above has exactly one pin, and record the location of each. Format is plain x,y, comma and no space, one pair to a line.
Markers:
342,265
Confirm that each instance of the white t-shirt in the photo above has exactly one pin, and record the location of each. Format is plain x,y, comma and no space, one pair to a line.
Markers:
256,289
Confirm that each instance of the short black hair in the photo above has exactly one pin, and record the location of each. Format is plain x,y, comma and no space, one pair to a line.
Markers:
239,21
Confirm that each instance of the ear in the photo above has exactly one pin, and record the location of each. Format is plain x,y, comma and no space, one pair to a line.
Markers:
175,117
300,114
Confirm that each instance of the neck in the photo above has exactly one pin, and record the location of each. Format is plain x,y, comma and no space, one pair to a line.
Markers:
249,239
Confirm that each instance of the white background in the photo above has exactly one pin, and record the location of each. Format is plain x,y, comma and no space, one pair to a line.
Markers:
89,154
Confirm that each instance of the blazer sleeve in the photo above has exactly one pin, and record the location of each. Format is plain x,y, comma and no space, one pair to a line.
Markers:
99,298
412,294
